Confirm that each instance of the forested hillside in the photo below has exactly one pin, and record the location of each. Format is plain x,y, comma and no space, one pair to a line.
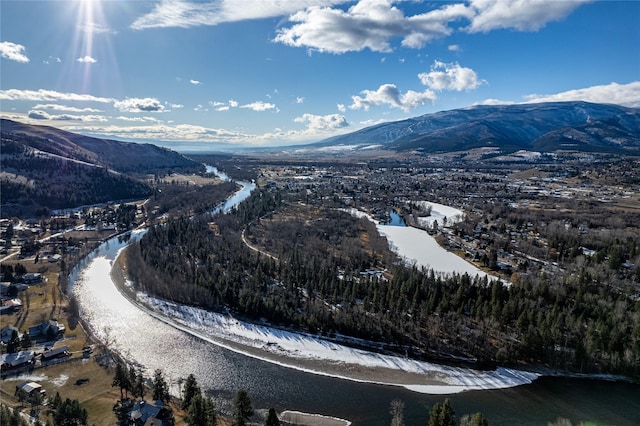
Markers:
319,269
124,157
44,168
33,184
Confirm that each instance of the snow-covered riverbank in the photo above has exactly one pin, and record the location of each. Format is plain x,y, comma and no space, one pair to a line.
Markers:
313,354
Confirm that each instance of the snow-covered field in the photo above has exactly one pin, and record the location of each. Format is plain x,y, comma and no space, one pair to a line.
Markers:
295,349
440,212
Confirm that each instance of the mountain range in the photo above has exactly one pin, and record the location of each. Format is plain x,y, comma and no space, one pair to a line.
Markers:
44,168
540,127
124,157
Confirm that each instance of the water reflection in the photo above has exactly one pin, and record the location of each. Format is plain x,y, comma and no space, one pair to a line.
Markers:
394,219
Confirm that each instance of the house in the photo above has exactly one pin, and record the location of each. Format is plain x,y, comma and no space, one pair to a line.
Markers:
32,278
59,352
147,414
10,306
47,328
30,389
16,360
8,333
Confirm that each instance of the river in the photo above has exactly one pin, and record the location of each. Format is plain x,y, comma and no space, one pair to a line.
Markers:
221,372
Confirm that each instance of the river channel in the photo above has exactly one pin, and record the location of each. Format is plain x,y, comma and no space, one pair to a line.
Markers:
152,343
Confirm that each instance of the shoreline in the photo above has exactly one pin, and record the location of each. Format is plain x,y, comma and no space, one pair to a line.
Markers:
332,361
349,372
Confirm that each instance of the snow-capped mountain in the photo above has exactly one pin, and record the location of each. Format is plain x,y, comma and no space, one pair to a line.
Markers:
543,127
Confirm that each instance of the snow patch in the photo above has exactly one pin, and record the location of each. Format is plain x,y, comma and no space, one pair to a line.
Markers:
439,212
60,380
303,346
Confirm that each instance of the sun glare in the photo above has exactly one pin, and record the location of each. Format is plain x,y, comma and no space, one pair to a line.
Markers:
91,46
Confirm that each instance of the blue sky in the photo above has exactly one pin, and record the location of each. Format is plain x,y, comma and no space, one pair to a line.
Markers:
279,72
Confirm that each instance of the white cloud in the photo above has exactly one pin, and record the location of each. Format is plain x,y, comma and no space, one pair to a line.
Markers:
185,14
219,106
139,119
195,82
442,76
368,123
373,24
521,15
39,115
233,104
139,105
13,51
299,100
52,59
388,94
613,93
341,107
164,132
259,106
493,101
454,48
48,96
323,123
93,28
42,115
367,24
57,107
87,60
450,77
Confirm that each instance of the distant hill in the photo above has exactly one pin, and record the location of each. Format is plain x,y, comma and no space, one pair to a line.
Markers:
44,168
540,127
125,157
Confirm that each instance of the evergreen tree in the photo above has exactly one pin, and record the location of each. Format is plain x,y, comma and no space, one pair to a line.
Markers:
201,411
189,391
36,401
243,409
448,416
122,412
131,380
476,419
139,389
70,413
55,401
442,414
121,379
25,342
272,418
160,387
